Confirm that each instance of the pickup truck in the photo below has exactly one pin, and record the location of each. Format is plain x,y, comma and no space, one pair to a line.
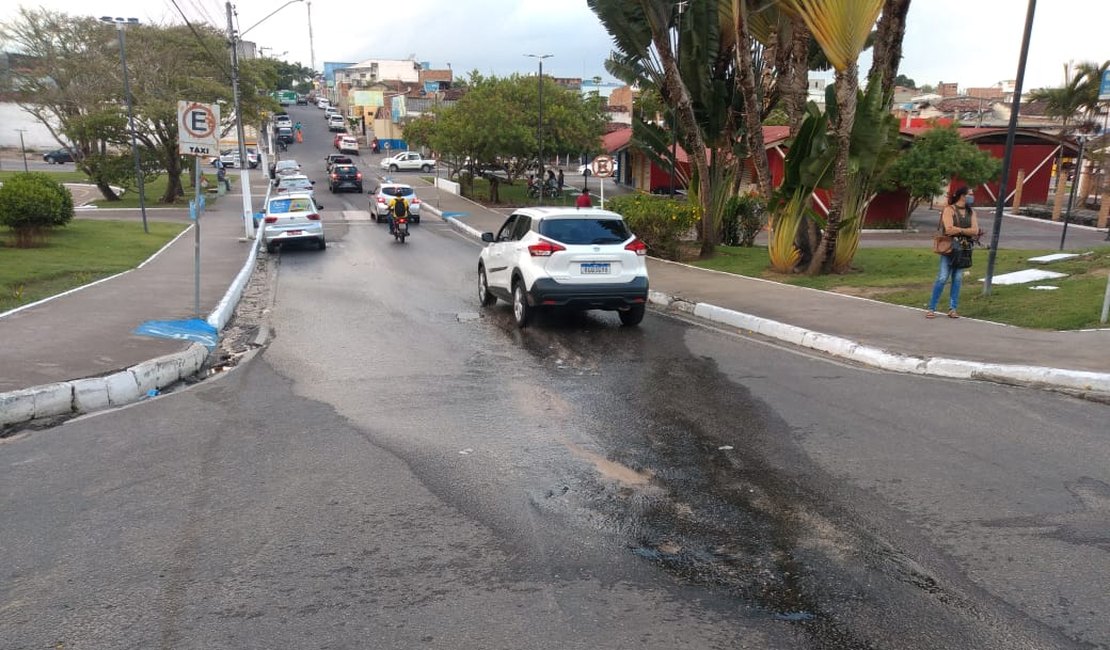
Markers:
407,160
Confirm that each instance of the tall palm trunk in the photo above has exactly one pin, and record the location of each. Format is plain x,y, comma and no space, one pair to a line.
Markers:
796,88
847,86
692,139
887,52
753,105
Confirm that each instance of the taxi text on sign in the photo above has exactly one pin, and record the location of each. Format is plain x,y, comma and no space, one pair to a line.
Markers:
198,128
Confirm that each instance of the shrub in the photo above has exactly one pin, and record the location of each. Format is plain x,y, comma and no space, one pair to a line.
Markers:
743,218
661,222
31,204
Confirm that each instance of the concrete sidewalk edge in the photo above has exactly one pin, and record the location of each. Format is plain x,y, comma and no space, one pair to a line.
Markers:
126,386
1076,381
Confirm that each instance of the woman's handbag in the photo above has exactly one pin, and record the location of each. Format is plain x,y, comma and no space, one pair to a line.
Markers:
961,253
942,243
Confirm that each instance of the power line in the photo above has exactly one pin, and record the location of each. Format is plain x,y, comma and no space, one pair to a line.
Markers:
216,60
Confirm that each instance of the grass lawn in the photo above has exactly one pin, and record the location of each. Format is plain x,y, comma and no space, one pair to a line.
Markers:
60,176
905,277
81,252
154,191
516,195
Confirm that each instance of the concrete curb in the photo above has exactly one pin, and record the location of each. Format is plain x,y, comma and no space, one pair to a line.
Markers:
126,386
1076,381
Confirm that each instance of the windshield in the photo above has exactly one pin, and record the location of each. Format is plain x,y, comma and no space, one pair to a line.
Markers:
283,206
296,184
585,231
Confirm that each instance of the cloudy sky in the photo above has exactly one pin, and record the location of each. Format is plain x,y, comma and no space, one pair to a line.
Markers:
972,42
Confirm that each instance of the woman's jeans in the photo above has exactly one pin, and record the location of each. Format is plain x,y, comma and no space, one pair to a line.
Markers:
946,271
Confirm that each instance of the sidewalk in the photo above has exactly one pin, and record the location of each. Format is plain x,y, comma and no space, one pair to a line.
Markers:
900,338
88,332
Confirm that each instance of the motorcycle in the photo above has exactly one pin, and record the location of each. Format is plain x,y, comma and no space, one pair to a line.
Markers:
549,191
400,229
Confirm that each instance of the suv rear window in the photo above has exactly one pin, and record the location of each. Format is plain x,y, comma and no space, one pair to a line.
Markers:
283,206
397,190
585,231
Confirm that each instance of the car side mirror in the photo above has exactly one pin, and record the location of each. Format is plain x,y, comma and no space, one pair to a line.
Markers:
487,237
313,182
319,206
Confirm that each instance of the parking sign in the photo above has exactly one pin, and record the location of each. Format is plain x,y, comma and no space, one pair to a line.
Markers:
197,128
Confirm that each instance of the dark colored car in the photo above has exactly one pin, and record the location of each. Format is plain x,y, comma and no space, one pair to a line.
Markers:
57,157
285,134
345,177
302,100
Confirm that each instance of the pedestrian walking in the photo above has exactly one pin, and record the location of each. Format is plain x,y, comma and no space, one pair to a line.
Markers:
957,221
221,177
560,180
583,200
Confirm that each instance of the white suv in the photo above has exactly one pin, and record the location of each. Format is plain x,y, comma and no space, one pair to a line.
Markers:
566,258
292,218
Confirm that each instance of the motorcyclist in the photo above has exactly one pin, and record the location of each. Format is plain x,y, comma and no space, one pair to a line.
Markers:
398,207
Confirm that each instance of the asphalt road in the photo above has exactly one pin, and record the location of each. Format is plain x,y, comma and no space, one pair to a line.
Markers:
401,469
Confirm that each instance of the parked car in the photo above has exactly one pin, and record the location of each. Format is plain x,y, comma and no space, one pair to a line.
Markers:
322,103
568,258
292,218
348,144
345,177
379,202
302,100
282,120
230,158
290,183
285,134
281,167
337,123
407,160
329,111
58,157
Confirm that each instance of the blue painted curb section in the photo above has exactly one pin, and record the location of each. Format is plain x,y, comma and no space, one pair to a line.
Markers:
193,329
452,215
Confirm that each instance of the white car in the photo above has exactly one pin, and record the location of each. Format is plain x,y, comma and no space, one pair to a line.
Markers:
284,167
407,160
336,123
295,183
564,258
379,202
322,103
292,218
348,144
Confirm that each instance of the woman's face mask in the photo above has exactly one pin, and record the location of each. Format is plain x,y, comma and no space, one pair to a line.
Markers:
969,200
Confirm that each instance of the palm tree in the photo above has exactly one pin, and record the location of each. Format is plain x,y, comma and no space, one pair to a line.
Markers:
1064,103
841,28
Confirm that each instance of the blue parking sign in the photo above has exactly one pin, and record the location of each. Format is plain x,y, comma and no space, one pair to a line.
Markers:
1104,87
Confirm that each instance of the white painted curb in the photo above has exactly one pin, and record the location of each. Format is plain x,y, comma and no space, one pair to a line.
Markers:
1036,376
126,386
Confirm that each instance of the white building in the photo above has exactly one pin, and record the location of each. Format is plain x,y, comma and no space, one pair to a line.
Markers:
373,71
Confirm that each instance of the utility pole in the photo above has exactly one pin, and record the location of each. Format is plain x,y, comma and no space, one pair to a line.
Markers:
120,23
244,174
23,151
681,7
311,45
539,125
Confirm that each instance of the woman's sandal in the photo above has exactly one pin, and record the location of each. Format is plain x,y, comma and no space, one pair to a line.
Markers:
952,313
930,314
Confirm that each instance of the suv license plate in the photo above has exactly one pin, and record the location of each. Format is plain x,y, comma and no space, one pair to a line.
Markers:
293,232
595,268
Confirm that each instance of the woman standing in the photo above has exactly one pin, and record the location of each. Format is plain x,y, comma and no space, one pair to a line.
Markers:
958,222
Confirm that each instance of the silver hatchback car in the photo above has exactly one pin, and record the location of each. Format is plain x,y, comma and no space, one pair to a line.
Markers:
292,217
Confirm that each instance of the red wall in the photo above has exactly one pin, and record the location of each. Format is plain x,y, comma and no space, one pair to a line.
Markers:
1025,156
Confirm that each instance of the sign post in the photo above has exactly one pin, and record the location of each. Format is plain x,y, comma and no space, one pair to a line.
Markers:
602,167
196,137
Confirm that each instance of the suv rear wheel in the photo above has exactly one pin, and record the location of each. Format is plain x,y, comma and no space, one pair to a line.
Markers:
522,311
632,316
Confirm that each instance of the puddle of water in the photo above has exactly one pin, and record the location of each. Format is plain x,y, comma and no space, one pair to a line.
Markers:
609,469
794,616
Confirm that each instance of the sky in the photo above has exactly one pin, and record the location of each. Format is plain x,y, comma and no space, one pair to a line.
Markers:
972,42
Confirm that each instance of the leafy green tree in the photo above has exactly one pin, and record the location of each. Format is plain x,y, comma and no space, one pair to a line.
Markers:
934,159
33,204
904,81
493,127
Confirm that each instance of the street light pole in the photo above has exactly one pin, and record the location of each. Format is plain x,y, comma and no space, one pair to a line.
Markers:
1074,186
120,23
539,124
1008,152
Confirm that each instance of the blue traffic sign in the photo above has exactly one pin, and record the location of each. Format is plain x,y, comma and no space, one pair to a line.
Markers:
1104,87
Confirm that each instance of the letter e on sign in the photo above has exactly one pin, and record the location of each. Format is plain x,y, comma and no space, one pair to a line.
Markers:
197,126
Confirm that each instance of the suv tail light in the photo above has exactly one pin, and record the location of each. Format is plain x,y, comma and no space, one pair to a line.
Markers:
270,219
358,176
313,217
544,248
334,176
636,246
415,200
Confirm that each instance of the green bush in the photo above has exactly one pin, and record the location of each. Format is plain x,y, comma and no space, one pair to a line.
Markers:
661,222
31,204
743,218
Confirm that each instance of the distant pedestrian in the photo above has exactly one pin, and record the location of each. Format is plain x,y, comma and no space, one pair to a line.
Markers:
221,177
375,147
583,200
959,222
297,127
560,179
